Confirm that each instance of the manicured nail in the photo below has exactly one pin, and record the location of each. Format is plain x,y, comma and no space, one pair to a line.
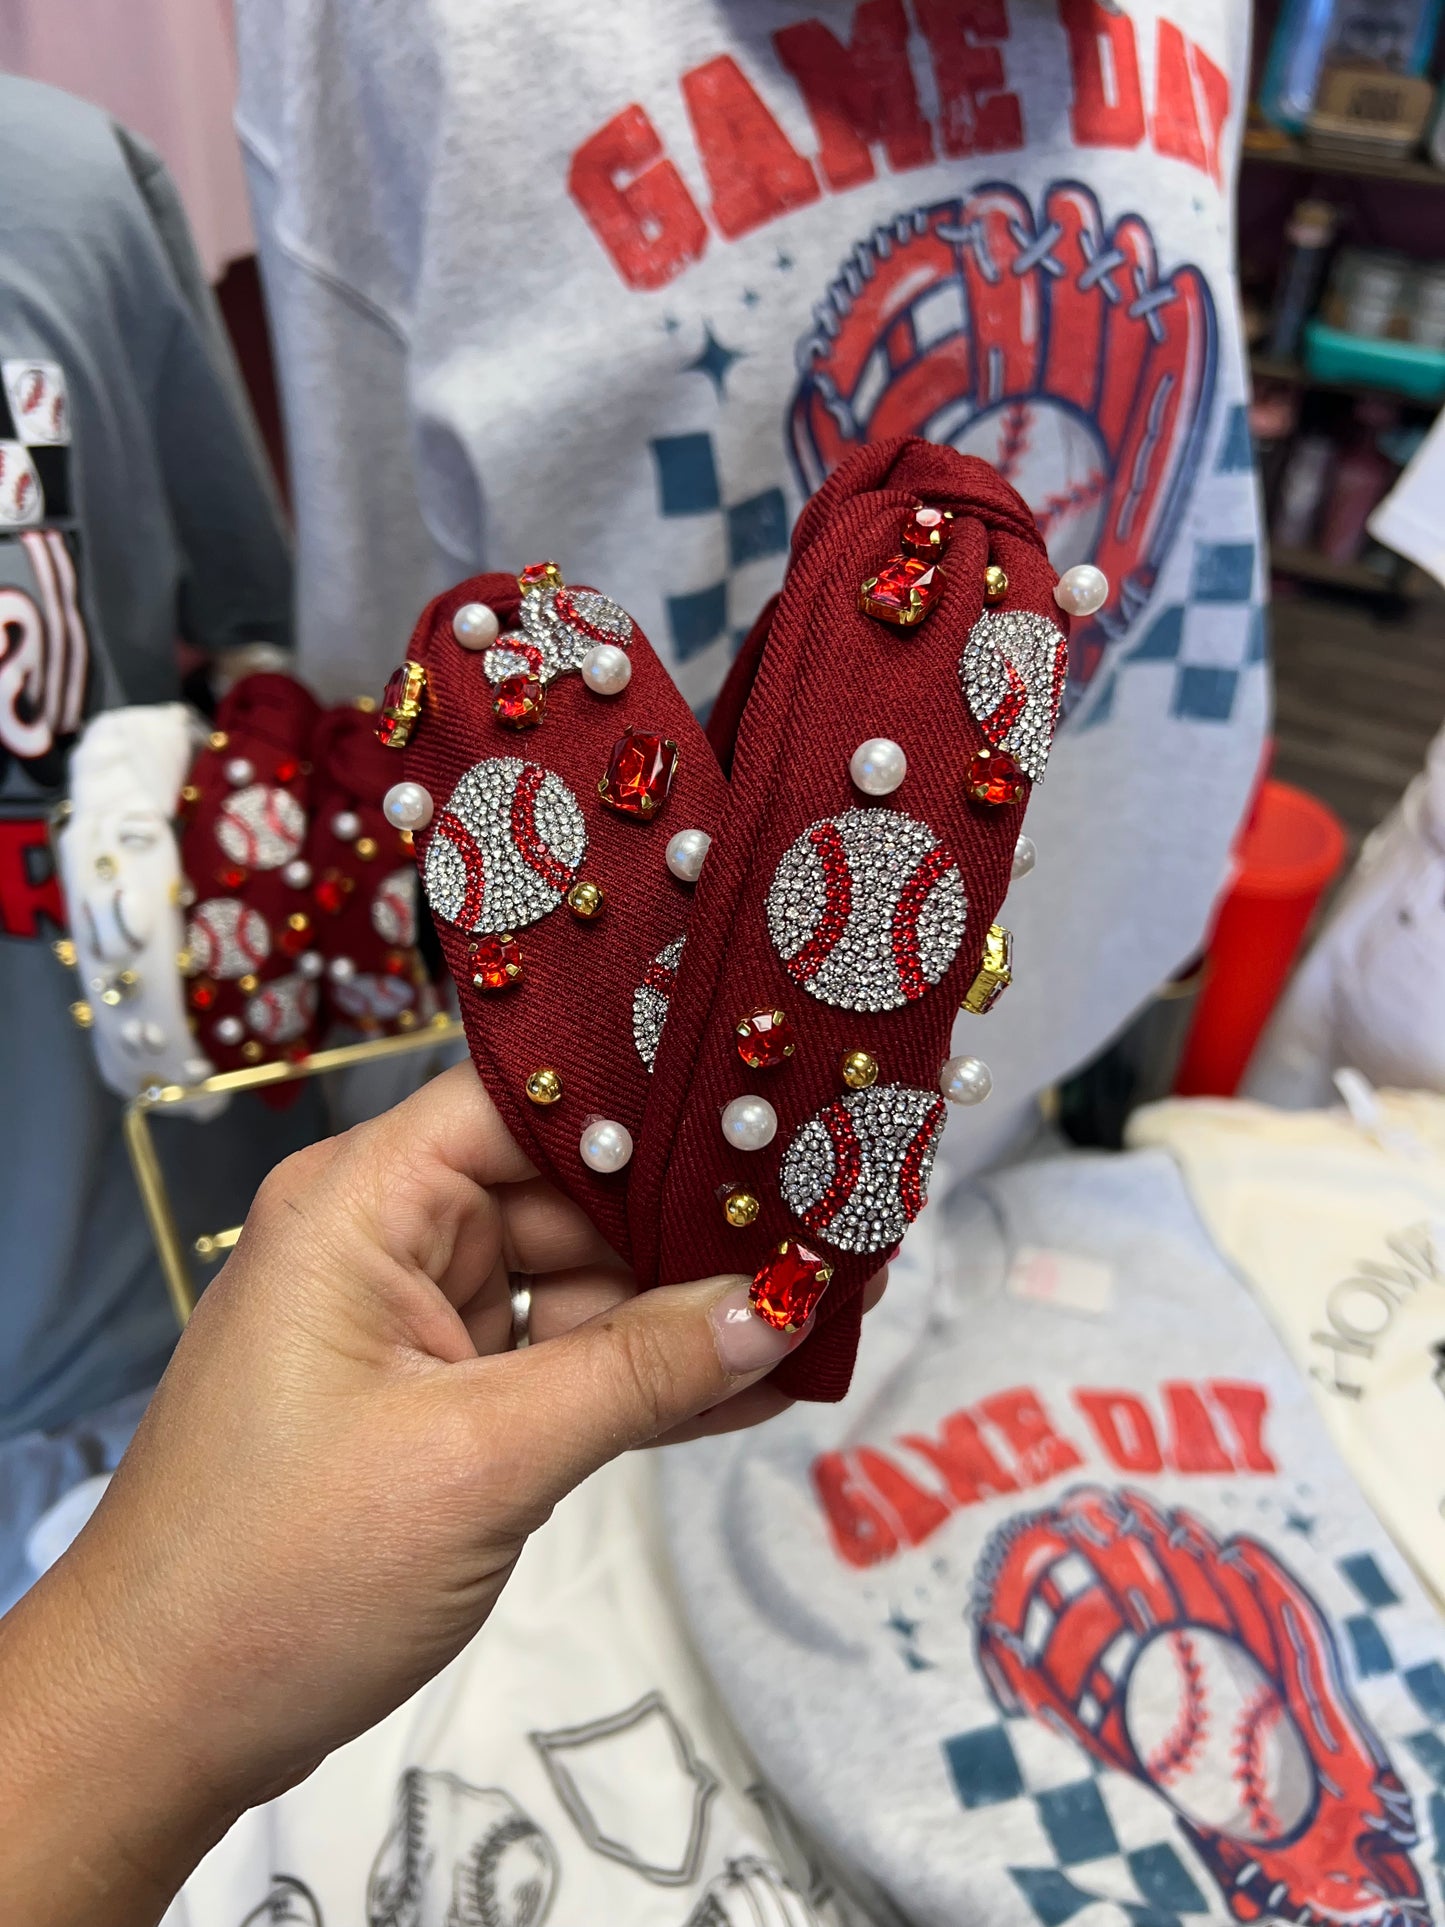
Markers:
746,1343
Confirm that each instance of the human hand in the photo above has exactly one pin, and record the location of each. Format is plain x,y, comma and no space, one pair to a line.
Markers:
331,1487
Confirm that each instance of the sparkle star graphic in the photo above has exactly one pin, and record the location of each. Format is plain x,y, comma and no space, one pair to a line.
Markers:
714,361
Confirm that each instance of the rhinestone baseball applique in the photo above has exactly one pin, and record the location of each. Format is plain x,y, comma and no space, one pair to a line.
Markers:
505,848
867,910
1012,670
857,1173
559,626
650,1001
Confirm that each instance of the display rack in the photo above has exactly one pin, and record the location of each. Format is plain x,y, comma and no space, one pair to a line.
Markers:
1278,149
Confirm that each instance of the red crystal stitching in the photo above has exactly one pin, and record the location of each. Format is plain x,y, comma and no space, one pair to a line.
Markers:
905,920
573,616
847,1166
837,904
461,840
659,976
910,1175
530,847
998,725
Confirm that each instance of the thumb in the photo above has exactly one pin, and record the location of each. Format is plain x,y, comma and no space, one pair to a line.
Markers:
633,1373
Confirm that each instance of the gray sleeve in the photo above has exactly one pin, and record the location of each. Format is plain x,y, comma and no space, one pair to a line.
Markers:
236,582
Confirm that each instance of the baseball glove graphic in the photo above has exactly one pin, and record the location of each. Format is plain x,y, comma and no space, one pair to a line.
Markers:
1050,345
1206,1671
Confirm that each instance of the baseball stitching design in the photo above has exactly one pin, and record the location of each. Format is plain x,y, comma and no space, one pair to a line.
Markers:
867,910
282,1010
505,848
559,626
650,1001
750,1893
393,909
857,1173
1013,670
261,827
370,995
227,938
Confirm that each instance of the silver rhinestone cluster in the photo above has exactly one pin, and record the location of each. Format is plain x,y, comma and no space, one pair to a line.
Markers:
511,655
886,1122
863,963
1037,652
650,1002
475,839
563,643
282,1010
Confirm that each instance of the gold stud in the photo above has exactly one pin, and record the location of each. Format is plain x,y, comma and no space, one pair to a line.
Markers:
585,899
298,920
995,583
406,837
190,794
741,1209
365,847
110,996
105,868
406,1020
251,1051
544,1086
63,951
247,984
217,739
860,1069
185,963
995,972
367,705
82,1016
128,979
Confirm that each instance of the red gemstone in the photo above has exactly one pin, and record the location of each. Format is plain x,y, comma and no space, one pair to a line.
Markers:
538,575
288,770
902,592
788,1286
401,705
232,877
293,942
496,963
202,994
765,1039
396,963
639,773
994,777
397,684
927,533
332,892
392,731
520,701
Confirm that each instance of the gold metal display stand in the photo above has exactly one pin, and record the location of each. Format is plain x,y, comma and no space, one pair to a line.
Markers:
139,1142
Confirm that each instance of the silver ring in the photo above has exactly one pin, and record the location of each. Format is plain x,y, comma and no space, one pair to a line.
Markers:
521,1314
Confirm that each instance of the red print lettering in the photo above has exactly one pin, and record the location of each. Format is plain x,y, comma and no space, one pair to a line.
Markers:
860,95
1124,1429
873,1509
29,887
1176,122
1194,1444
1108,108
975,115
969,1469
1039,1450
754,171
1213,85
1245,1406
636,202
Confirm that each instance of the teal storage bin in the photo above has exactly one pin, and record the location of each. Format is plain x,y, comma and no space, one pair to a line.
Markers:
1400,366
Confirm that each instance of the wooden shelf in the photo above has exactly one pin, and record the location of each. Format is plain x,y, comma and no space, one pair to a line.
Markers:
1308,565
1267,368
1275,149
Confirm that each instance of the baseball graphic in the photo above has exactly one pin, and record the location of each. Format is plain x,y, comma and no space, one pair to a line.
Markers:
1215,1736
559,627
462,1855
227,938
650,1001
1205,1671
512,655
1013,669
261,827
21,500
373,997
505,848
1046,339
35,391
867,910
750,1893
289,1904
282,1011
857,1173
393,909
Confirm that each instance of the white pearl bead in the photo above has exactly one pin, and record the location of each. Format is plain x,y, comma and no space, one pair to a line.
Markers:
878,766
239,771
297,873
346,824
606,669
606,1145
311,963
965,1080
1026,855
685,853
1082,590
341,970
407,806
748,1123
475,626
229,1030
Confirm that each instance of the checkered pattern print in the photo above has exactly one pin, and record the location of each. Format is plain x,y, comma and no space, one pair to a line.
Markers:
1101,1837
34,444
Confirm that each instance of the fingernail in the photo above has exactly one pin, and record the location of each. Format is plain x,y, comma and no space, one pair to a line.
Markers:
746,1343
